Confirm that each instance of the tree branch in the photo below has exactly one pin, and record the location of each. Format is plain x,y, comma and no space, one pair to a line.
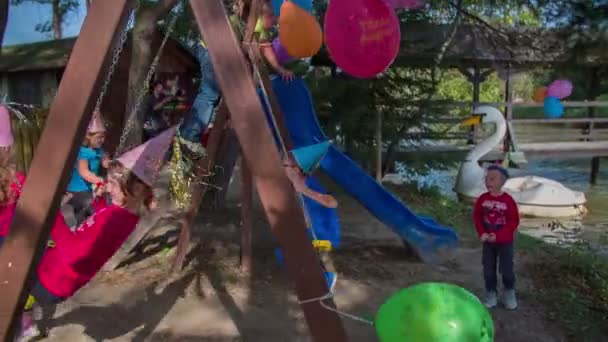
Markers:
4,5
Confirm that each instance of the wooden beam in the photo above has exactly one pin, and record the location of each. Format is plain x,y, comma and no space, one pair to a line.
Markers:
595,170
55,156
259,151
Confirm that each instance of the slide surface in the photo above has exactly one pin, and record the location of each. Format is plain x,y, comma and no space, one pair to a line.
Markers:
323,222
422,233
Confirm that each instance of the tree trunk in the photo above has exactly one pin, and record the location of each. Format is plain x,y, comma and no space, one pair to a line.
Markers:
3,20
379,167
141,58
88,3
57,19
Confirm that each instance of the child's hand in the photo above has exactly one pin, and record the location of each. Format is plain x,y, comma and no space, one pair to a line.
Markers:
105,161
491,237
287,75
100,189
484,237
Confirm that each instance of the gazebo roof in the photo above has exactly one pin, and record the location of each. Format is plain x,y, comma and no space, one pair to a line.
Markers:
479,46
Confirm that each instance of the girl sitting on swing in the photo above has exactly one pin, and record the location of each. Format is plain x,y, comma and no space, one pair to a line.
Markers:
76,256
11,181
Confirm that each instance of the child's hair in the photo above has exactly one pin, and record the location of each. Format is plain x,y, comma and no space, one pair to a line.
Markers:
500,169
7,176
130,184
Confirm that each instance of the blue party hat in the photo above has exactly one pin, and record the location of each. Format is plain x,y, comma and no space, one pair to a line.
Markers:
309,157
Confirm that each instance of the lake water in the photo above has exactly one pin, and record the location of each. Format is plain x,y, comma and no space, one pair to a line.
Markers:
574,173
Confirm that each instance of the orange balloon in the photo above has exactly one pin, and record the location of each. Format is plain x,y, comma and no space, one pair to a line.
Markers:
299,32
540,94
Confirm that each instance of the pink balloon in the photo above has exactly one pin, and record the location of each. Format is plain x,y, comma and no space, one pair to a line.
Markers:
362,36
560,89
407,4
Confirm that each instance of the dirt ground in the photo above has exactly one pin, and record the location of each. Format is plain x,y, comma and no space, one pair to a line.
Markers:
212,301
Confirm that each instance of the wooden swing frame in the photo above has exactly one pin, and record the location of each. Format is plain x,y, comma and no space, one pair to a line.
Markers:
65,128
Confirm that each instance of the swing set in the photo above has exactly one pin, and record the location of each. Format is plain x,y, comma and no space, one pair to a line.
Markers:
262,161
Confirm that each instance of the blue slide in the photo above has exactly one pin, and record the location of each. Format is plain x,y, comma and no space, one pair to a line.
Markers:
422,233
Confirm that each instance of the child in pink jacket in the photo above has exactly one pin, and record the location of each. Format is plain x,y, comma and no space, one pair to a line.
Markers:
77,256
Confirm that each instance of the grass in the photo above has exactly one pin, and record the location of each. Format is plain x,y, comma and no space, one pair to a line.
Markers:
571,282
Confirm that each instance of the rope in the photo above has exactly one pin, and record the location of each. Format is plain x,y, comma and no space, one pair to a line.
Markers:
330,295
265,97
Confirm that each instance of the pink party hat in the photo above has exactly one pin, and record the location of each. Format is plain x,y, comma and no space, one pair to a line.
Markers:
96,125
146,159
6,133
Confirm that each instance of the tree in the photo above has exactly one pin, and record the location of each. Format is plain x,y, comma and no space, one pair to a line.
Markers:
4,5
146,25
60,10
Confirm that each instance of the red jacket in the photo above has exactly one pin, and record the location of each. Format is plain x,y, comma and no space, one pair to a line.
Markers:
498,215
79,255
7,210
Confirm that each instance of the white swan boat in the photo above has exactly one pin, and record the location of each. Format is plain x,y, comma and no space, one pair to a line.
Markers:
535,196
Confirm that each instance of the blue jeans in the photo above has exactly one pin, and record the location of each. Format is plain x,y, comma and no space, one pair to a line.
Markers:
205,102
501,254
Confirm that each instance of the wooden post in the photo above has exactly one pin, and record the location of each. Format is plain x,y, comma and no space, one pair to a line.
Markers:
595,169
246,217
476,77
508,110
379,147
55,157
259,151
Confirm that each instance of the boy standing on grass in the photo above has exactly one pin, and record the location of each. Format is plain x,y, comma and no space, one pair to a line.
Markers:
496,219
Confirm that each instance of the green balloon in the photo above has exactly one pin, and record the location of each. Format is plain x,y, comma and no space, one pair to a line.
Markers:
434,312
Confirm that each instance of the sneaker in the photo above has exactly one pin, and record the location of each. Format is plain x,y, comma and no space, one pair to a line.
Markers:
510,300
29,330
491,300
196,150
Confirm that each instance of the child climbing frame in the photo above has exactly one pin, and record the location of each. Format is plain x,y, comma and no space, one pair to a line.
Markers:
68,117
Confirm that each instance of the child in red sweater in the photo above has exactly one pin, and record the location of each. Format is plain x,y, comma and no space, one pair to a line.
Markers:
496,218
11,181
76,256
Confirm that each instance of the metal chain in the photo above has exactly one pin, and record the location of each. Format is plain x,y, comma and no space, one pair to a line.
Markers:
116,56
140,97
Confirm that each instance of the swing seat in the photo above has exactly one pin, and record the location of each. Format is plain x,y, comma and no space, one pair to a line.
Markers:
322,245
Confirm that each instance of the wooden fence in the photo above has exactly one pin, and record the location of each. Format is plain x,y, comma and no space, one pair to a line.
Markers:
26,136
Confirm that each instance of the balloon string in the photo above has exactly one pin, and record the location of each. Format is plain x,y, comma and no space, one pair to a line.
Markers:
330,295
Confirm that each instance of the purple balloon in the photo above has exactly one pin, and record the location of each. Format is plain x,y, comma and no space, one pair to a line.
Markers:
560,89
282,55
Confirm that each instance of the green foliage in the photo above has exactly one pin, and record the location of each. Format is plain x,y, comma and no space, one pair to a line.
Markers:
573,282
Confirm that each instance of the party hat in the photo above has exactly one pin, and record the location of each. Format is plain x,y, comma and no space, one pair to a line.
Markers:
96,125
309,157
6,133
146,159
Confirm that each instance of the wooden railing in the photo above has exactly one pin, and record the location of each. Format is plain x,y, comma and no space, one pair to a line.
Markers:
573,129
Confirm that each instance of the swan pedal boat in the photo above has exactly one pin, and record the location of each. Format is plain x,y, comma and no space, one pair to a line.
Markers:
535,196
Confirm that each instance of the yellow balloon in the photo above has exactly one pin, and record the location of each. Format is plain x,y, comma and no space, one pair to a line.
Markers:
299,32
540,94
